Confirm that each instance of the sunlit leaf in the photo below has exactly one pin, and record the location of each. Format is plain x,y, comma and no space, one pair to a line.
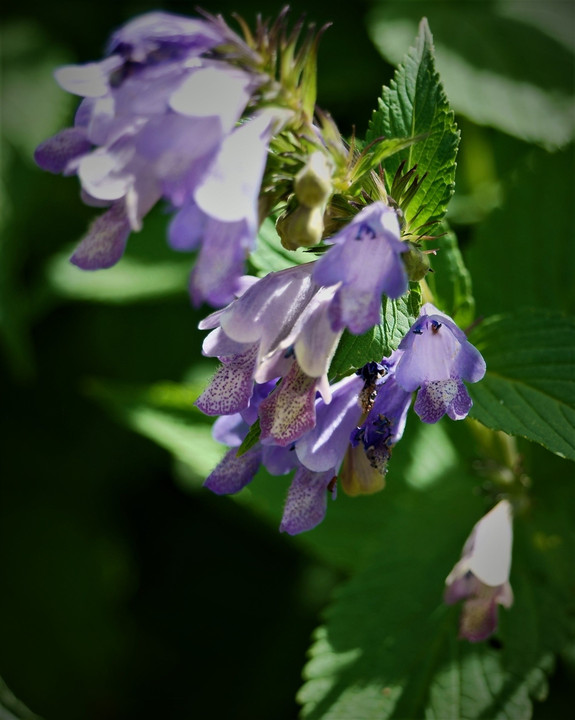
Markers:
415,104
529,387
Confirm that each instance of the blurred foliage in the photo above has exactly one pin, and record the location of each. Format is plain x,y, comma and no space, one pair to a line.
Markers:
127,591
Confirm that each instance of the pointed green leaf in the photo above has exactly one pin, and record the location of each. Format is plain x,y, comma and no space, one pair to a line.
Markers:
415,104
498,71
529,387
251,438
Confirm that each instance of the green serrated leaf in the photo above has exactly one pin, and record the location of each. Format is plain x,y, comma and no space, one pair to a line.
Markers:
165,413
389,647
497,71
528,389
450,281
415,104
378,152
250,439
354,351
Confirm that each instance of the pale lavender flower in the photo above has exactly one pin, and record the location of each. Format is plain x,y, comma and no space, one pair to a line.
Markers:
481,577
278,328
365,262
158,120
437,357
306,503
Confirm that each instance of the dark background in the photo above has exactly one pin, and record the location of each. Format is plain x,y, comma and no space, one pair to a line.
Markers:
122,593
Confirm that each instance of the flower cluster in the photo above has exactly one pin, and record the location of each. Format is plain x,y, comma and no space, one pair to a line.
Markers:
275,343
159,120
224,130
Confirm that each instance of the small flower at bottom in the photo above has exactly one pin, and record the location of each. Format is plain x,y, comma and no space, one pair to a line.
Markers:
481,577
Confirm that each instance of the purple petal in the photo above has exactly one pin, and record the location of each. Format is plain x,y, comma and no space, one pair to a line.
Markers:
289,411
220,264
218,93
268,309
323,447
90,80
230,430
306,502
218,344
236,174
231,387
316,340
429,355
460,585
279,460
233,473
105,241
366,260
153,30
470,364
442,396
55,153
186,229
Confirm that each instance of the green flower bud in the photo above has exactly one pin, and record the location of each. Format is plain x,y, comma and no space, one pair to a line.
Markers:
312,184
302,227
416,263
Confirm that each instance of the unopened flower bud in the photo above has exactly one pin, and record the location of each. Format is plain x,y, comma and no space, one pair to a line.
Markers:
302,227
416,263
312,184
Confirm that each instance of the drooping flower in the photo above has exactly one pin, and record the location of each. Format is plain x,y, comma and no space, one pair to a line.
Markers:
222,215
278,328
436,358
158,120
481,577
365,262
316,456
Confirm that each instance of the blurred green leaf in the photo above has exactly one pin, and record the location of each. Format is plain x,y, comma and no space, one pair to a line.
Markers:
11,708
528,389
34,106
354,351
522,256
497,70
389,646
165,413
415,104
450,281
131,280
